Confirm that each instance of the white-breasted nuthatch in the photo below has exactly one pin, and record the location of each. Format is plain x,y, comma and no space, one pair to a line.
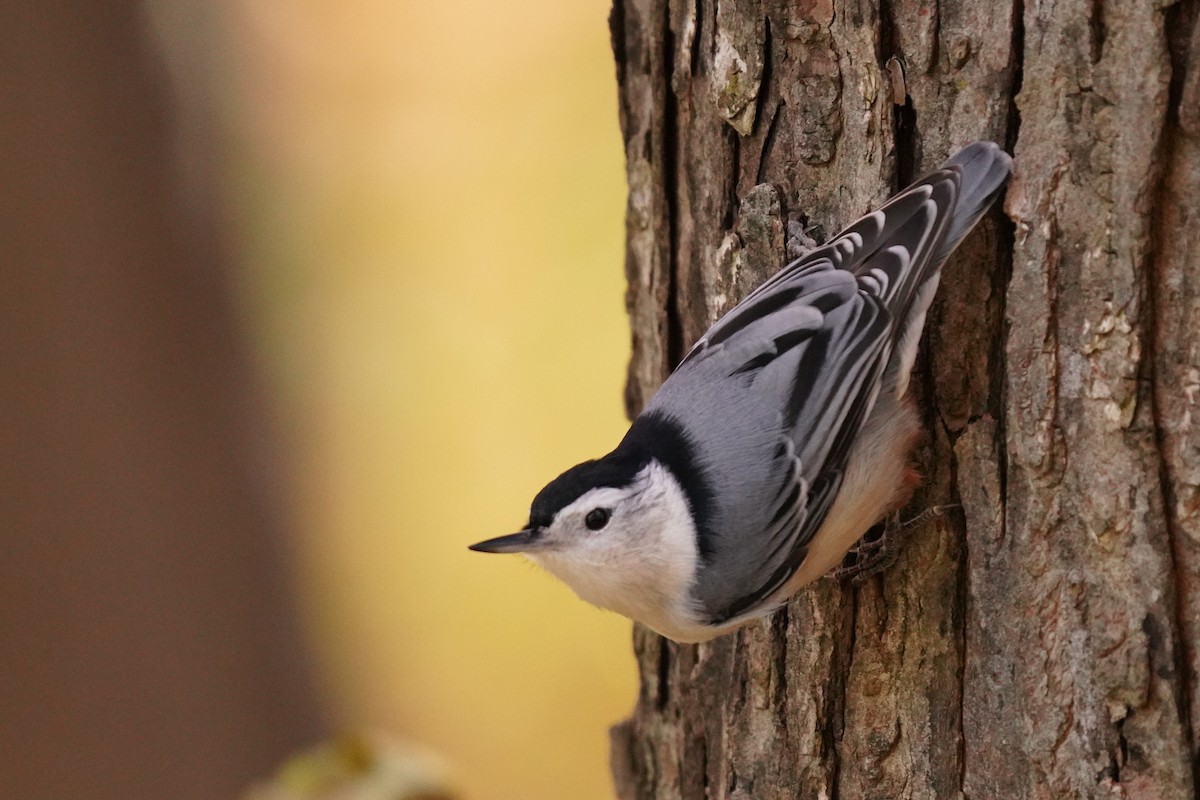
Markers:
782,436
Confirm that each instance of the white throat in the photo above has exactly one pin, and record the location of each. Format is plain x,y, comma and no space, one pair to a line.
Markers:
646,565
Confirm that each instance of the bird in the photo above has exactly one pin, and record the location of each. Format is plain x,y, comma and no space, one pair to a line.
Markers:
783,435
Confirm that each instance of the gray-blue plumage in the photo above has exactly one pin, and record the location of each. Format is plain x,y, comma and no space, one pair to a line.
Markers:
774,394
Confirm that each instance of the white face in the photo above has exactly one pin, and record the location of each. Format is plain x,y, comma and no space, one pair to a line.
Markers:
641,562
601,523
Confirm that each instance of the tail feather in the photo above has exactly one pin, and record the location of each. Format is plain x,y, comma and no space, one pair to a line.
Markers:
984,169
923,224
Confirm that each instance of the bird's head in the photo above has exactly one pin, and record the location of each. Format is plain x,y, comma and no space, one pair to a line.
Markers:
591,512
617,530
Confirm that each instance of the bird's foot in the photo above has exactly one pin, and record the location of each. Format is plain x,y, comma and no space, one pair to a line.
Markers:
880,545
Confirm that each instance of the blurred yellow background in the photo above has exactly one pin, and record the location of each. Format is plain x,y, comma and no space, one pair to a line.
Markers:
431,199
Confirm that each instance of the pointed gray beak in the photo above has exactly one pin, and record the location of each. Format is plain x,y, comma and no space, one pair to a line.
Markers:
519,542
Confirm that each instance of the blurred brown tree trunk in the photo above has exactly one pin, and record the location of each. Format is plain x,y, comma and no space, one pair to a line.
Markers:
147,649
1044,641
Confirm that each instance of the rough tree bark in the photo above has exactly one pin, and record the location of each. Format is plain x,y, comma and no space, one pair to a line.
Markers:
1045,640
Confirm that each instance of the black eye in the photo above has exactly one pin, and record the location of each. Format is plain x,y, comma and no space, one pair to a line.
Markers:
597,518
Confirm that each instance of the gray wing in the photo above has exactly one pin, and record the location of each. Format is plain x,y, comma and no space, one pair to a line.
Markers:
813,367
816,343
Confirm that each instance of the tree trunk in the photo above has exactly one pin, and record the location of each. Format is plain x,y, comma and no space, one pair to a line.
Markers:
1042,640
